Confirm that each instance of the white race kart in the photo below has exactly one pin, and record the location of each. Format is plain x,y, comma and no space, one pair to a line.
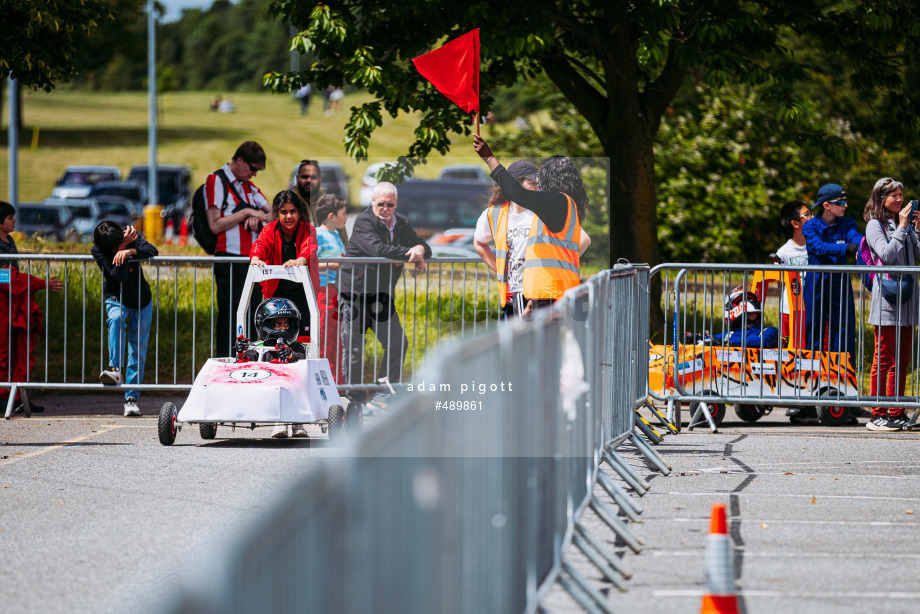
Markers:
252,394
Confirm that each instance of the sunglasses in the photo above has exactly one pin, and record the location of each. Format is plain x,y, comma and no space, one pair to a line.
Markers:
387,205
840,202
254,169
309,176
805,216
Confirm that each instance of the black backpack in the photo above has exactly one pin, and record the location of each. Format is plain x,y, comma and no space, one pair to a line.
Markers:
200,228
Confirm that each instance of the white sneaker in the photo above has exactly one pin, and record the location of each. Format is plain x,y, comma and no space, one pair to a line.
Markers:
131,408
111,377
280,432
298,431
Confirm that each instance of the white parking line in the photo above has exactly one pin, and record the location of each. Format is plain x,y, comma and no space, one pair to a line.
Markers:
779,521
797,595
69,442
774,496
798,554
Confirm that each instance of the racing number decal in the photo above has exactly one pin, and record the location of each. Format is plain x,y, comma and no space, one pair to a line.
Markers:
249,375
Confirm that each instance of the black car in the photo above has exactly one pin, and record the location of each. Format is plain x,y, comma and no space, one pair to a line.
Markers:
119,210
39,219
436,205
174,189
134,192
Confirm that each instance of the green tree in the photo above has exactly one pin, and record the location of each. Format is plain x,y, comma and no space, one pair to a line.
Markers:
620,64
40,39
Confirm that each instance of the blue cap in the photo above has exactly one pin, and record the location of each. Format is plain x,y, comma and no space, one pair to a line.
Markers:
829,191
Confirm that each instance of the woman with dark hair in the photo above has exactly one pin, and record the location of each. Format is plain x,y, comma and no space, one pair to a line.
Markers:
893,242
289,240
552,256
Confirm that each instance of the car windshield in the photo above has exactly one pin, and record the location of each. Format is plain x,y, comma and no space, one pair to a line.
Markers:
86,177
81,211
112,208
462,175
167,183
129,192
441,211
44,216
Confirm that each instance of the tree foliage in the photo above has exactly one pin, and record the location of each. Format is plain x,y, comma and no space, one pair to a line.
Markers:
40,39
620,64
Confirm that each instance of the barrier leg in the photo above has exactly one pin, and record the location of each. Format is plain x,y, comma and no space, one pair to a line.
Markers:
913,419
674,411
612,561
587,548
582,583
643,425
620,496
10,402
614,458
702,411
665,422
617,525
650,454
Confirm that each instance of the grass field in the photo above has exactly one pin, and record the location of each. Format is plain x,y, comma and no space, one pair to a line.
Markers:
111,128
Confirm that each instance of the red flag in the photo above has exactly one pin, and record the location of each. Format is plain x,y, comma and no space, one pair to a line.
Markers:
454,70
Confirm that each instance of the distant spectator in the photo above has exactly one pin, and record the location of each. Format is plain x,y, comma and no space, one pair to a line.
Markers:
327,92
216,103
331,209
336,96
303,95
20,316
308,185
128,304
236,210
793,252
226,106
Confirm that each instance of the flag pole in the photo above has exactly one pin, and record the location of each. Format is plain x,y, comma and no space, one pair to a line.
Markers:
477,122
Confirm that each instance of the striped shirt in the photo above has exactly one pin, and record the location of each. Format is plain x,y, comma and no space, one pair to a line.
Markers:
236,240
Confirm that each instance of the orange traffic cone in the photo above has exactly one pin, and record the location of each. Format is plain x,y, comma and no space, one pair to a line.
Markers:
183,232
170,233
720,595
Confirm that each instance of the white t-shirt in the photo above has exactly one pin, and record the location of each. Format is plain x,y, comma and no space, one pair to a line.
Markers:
795,255
518,229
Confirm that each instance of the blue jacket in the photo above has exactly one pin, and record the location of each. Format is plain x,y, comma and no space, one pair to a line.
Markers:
749,337
828,244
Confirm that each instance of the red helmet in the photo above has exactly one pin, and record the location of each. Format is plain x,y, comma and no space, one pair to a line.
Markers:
738,304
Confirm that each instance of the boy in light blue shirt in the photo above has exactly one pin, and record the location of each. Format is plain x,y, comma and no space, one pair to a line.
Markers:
330,211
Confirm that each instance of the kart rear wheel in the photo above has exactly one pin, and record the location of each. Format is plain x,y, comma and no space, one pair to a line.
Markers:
716,410
750,413
166,425
207,430
354,420
833,415
335,423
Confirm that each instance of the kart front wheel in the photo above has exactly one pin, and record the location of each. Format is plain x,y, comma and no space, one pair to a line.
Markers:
335,423
166,425
750,413
716,410
354,420
833,415
207,430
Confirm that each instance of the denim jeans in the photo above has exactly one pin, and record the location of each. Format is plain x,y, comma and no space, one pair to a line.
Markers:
137,322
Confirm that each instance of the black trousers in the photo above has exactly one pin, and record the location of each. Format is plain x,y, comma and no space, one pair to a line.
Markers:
359,313
230,277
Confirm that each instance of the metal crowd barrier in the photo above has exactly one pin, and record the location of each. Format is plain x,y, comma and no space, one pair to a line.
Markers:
801,371
464,498
454,297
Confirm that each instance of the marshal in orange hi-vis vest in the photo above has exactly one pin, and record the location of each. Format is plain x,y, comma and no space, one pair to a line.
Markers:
499,226
551,261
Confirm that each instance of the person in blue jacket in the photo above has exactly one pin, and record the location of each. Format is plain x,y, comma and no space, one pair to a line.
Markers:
828,297
743,315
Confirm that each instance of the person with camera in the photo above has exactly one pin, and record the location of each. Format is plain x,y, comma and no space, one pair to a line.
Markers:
236,209
892,241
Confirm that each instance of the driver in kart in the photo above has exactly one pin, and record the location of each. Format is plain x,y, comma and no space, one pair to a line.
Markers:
277,323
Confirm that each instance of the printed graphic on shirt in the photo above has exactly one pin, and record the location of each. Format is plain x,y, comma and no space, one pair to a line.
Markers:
518,229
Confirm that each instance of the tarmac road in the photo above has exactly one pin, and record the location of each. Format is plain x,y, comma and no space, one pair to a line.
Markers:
824,520
93,510
95,513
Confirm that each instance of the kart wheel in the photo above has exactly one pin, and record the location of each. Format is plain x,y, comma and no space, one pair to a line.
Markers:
208,430
833,415
166,425
716,410
750,413
336,423
354,421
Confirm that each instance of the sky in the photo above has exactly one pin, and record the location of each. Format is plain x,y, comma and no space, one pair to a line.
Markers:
174,7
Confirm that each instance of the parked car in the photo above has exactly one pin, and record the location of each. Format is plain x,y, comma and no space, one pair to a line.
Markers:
134,192
174,189
78,180
368,181
44,220
334,180
119,210
465,172
86,215
453,243
433,205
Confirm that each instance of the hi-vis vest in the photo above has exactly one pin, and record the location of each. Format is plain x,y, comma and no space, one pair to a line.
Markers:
499,227
551,260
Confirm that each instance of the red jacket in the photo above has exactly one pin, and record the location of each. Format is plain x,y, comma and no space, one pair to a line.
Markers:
26,312
268,248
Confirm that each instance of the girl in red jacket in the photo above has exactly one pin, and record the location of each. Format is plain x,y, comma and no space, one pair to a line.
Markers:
290,240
